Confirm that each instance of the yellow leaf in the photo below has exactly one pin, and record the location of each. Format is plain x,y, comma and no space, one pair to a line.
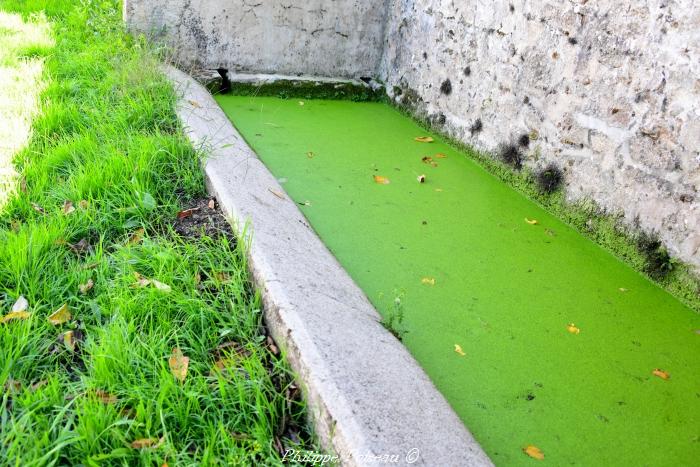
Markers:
531,221
86,287
21,304
661,373
160,286
534,452
310,155
179,364
69,340
105,397
424,139
381,180
83,204
60,316
18,315
141,281
459,351
441,156
571,327
428,280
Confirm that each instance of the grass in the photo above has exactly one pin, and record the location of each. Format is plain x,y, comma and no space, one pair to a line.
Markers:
107,158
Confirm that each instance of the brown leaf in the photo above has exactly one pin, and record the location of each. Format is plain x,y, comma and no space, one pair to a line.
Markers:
81,247
105,397
459,351
381,180
147,443
661,373
421,178
571,327
38,385
532,221
83,204
160,286
68,207
137,236
142,282
534,452
429,160
14,315
86,287
222,277
271,346
195,104
424,139
212,204
179,364
428,280
310,155
186,213
60,316
38,208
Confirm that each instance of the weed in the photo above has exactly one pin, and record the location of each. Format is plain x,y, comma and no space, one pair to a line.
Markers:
393,318
658,261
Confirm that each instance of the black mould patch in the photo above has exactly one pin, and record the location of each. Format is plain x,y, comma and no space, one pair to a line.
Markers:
476,127
573,41
511,8
467,71
446,87
510,155
658,261
425,55
438,119
524,140
526,100
549,179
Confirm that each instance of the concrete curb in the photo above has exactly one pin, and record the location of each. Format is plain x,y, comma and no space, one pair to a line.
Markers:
370,402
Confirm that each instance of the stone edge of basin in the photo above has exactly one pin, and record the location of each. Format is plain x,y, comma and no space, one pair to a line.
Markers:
367,396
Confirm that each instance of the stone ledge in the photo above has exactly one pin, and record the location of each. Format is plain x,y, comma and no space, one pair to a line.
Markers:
367,396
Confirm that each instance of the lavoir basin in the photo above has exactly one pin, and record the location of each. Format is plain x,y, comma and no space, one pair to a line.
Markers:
535,335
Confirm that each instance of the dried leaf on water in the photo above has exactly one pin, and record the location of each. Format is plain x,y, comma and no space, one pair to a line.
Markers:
179,364
381,180
661,373
441,156
424,139
428,280
571,327
532,221
60,316
459,351
534,452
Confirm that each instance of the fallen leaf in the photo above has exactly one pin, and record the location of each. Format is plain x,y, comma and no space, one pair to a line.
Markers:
421,179
212,204
142,282
13,385
277,193
310,155
160,286
534,452
271,346
68,207
38,208
38,385
147,443
381,180
571,327
21,304
83,204
441,155
428,280
184,214
81,247
429,160
622,289
179,364
424,139
222,277
105,397
660,373
195,104
458,350
532,221
137,236
14,315
86,287
60,316
69,340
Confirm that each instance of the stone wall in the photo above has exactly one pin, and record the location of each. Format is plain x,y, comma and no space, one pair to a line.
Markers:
608,89
337,38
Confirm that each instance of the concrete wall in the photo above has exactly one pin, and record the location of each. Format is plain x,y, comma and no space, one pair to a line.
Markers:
610,88
335,38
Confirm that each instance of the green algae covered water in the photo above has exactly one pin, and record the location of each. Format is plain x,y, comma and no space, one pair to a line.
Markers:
559,338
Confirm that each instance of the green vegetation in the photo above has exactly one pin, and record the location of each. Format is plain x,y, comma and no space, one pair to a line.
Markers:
287,89
91,223
534,334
